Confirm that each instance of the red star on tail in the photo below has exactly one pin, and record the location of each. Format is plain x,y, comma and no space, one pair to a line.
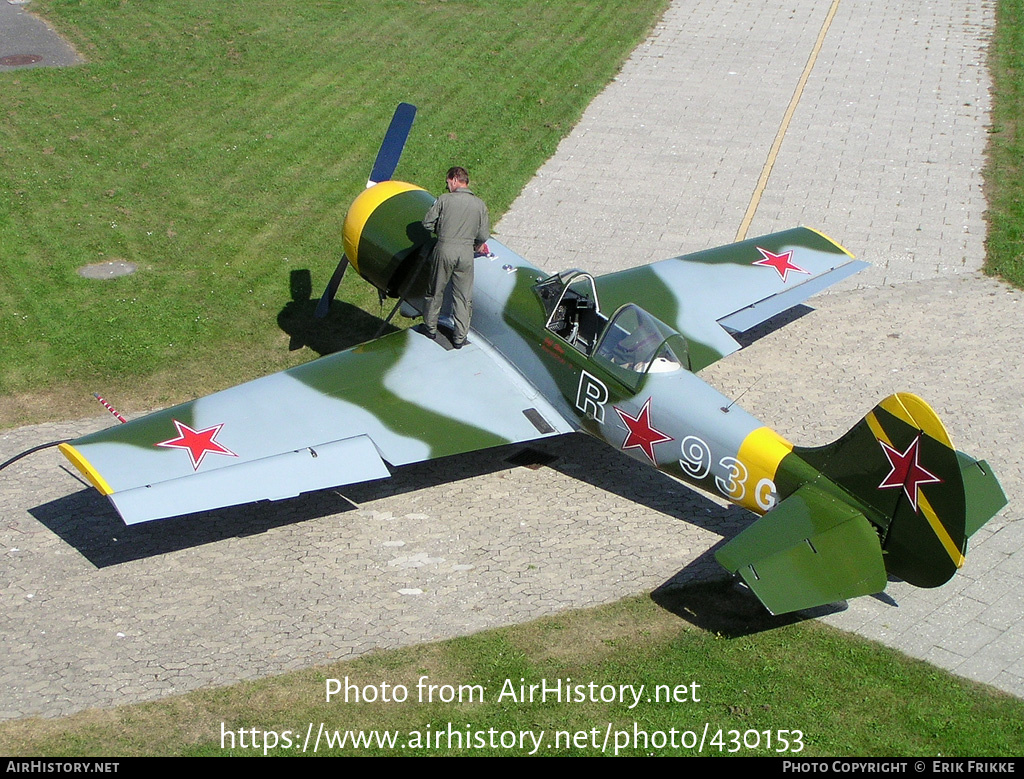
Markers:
641,434
197,442
783,263
906,471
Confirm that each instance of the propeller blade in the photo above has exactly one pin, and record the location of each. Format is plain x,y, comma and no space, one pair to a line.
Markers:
324,306
393,144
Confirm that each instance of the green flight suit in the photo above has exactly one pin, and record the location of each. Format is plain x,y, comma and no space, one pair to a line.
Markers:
461,222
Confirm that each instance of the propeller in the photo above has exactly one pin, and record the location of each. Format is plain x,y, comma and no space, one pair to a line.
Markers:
324,306
392,145
383,169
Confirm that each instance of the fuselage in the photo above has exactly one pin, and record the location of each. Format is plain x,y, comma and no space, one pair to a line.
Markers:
620,375
653,408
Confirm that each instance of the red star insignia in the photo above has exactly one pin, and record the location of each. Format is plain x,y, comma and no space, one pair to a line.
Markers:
906,471
783,263
197,442
641,434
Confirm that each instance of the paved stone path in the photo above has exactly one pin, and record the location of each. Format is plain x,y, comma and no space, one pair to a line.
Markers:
26,41
883,153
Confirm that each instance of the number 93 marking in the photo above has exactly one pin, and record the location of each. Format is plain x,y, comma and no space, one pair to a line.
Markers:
696,462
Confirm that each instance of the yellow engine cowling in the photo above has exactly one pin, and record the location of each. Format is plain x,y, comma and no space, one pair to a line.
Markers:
385,240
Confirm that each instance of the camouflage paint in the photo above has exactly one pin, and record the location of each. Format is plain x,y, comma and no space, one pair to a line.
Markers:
402,398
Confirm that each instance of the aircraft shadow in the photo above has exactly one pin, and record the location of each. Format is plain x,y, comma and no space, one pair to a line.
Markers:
344,326
725,605
700,593
769,326
88,522
593,462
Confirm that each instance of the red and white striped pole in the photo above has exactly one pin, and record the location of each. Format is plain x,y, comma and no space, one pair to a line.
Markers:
109,408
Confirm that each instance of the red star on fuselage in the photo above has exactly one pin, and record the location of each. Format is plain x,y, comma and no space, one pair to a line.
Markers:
641,434
783,263
906,471
197,442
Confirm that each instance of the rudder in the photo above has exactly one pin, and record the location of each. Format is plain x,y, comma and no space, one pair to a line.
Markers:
924,497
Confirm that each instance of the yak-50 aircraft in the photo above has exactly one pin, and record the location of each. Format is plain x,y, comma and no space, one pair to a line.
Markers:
615,356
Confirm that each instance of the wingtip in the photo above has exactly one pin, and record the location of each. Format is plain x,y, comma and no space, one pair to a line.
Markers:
86,469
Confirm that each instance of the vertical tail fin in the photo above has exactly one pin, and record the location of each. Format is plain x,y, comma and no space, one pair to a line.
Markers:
891,497
925,498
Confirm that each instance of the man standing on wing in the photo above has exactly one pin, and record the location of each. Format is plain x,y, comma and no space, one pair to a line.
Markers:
462,224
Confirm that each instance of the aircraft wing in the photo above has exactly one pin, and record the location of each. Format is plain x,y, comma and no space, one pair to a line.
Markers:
399,399
730,289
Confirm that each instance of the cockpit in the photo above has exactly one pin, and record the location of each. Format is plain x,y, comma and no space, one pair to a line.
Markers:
630,345
634,340
570,301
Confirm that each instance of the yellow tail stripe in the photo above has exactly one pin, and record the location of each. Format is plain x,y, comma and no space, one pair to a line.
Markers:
929,513
917,413
86,469
933,519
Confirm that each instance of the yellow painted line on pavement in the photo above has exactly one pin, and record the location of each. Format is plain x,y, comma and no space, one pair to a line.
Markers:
766,171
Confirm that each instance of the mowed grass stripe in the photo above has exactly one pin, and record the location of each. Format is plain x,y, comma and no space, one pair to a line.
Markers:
219,146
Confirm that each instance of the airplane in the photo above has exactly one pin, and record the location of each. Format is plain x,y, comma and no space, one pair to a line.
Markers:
614,356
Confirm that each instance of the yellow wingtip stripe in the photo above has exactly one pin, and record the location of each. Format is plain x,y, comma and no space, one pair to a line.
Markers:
86,469
831,240
361,210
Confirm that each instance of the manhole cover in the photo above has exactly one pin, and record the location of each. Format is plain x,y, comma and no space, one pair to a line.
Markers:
107,270
14,60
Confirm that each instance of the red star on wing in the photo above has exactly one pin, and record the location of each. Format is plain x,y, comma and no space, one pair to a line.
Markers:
197,442
783,263
641,434
906,471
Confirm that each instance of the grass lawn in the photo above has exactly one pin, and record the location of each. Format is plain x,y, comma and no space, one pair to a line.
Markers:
758,678
218,146
1004,185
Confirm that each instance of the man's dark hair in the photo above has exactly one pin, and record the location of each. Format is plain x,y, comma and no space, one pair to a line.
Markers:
458,174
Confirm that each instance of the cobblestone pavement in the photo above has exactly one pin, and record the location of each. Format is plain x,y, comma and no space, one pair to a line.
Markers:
883,152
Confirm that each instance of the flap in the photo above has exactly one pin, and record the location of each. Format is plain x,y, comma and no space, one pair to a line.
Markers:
281,476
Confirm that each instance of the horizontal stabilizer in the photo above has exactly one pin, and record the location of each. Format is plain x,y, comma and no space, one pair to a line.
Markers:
810,550
925,497
984,496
